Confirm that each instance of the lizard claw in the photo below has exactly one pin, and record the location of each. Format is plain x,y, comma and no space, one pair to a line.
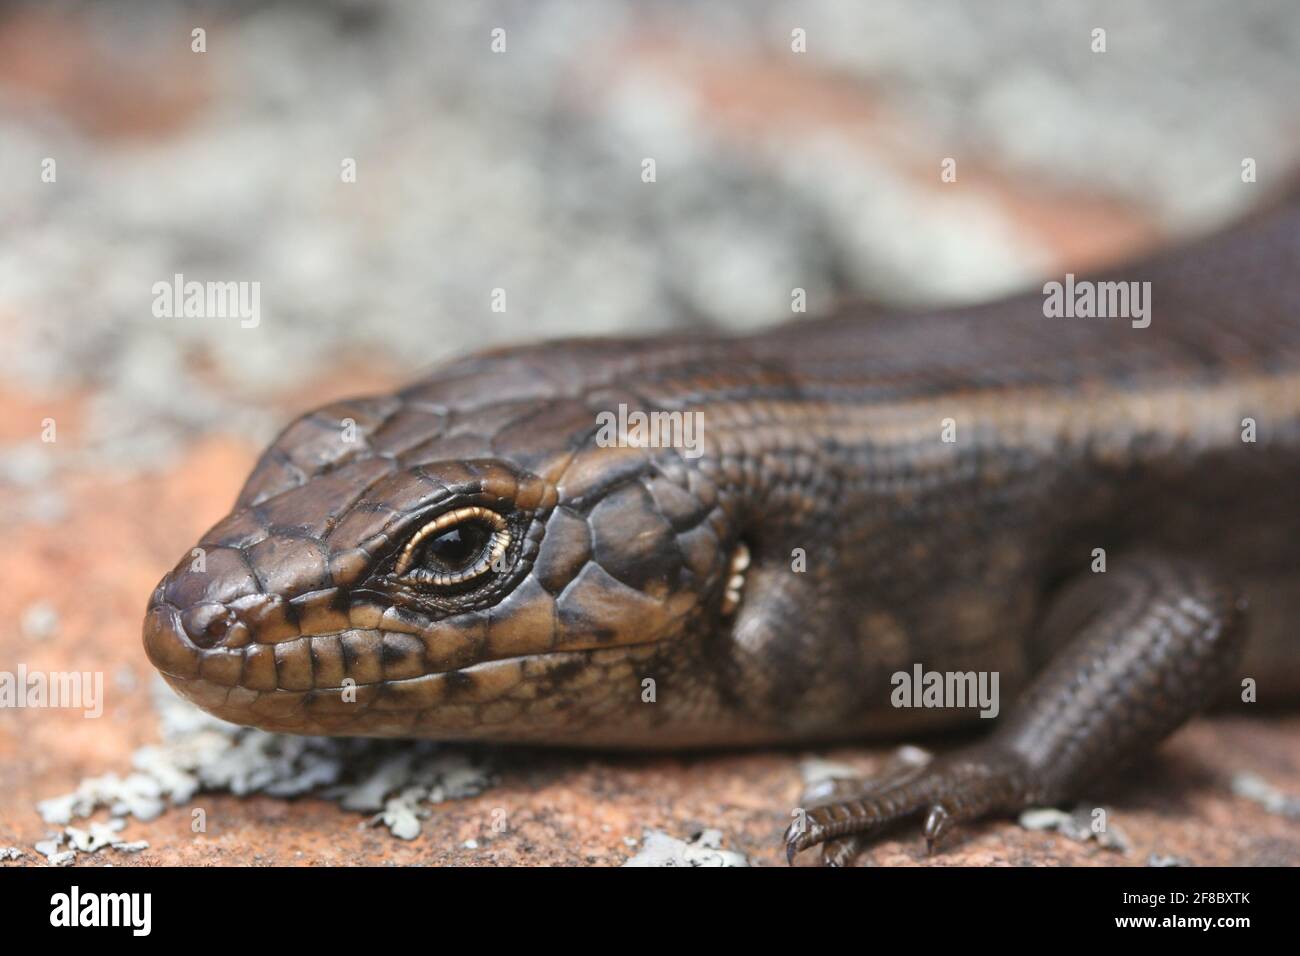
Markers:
799,837
937,824
963,786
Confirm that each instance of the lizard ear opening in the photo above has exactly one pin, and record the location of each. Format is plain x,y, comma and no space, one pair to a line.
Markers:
736,574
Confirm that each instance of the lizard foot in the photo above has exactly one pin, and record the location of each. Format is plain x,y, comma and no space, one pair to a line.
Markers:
1140,649
842,851
955,788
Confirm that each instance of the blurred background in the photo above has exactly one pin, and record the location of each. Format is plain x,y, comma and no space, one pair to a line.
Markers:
521,170
796,145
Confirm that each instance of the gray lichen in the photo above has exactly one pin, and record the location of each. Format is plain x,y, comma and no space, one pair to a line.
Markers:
700,849
1256,788
1077,825
397,781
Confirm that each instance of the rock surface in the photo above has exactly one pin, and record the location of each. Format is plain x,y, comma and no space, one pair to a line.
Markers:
522,171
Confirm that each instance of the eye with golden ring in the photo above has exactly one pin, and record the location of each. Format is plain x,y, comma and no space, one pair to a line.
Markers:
455,547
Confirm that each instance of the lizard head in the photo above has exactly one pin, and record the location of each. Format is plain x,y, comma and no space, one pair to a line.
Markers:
460,560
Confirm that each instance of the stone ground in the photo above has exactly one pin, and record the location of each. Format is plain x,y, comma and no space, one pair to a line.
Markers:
522,171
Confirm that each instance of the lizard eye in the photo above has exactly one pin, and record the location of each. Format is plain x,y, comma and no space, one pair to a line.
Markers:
454,547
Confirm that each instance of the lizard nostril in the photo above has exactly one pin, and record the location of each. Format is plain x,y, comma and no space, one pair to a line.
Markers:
208,624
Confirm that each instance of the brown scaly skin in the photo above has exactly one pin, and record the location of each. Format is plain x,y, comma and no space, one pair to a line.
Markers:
1071,435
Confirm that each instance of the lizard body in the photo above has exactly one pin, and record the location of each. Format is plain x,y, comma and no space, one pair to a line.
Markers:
869,492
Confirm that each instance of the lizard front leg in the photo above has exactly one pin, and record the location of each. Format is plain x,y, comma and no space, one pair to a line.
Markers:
1154,642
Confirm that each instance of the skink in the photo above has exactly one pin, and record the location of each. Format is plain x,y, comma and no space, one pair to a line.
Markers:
1083,506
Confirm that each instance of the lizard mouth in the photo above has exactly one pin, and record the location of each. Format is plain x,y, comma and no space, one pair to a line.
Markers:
490,699
323,662
372,682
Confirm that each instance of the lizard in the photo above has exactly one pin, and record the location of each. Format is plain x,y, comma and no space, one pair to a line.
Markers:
1099,511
